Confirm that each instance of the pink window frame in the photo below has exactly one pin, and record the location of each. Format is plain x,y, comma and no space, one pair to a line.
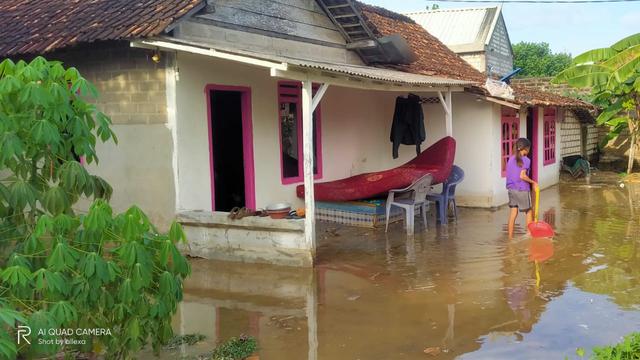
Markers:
247,142
509,121
318,139
549,136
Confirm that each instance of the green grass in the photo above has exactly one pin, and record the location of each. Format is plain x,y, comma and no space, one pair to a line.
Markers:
235,348
628,349
188,339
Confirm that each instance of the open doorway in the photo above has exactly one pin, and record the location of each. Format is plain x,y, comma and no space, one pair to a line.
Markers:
532,136
231,147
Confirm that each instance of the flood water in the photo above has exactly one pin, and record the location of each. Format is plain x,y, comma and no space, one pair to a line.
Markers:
457,291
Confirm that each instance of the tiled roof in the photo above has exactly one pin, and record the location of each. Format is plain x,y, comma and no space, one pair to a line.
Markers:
531,96
434,58
39,26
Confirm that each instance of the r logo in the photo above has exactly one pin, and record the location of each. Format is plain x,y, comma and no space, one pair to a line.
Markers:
23,332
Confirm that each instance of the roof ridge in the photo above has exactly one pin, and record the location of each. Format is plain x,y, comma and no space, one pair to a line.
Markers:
449,10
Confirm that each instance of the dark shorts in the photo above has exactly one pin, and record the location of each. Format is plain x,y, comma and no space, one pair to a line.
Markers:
520,200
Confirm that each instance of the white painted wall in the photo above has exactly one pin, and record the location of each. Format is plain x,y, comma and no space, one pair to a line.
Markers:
139,169
355,136
471,129
548,175
355,131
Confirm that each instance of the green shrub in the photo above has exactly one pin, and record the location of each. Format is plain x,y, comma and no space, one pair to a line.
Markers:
61,269
628,349
235,349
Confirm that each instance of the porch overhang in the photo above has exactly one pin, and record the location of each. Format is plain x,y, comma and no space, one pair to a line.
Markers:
336,74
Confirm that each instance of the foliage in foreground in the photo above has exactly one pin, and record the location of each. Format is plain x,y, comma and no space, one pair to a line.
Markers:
613,73
628,349
60,269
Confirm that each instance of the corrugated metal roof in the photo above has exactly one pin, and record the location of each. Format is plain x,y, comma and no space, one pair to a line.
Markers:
374,73
359,71
460,29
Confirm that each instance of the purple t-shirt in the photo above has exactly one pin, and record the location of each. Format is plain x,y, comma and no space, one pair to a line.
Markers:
513,174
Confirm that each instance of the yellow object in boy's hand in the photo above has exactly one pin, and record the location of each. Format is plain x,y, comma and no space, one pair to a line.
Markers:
300,212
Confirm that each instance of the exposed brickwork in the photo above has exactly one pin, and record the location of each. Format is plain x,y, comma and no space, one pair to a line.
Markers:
570,136
544,84
131,85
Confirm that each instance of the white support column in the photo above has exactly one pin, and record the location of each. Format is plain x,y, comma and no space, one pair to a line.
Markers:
316,99
307,155
446,105
449,114
312,320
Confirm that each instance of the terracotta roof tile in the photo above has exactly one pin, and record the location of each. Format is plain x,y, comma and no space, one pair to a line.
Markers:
436,59
35,26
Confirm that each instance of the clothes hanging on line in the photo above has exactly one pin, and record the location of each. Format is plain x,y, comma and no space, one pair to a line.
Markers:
408,124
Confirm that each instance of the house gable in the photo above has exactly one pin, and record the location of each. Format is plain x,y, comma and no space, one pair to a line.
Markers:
479,35
498,49
291,28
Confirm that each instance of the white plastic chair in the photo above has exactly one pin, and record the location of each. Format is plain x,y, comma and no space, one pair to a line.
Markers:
408,198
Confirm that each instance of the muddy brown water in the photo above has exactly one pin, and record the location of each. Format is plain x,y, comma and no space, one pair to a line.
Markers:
457,291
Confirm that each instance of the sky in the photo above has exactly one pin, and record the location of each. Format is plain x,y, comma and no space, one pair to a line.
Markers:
569,28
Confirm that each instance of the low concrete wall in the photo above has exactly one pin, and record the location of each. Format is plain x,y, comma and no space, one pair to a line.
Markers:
212,235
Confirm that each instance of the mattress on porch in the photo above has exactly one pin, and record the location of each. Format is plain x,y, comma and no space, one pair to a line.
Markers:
436,160
365,213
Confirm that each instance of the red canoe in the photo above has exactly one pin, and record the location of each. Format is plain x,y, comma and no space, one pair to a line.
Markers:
436,160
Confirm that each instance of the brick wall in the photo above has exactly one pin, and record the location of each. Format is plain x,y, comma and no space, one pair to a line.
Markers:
544,84
570,135
131,85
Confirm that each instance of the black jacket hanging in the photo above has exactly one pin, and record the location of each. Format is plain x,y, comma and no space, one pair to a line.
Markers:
408,124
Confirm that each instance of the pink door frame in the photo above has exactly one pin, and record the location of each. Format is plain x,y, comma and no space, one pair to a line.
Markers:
247,142
535,151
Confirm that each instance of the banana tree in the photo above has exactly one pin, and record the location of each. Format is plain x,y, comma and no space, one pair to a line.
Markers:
613,74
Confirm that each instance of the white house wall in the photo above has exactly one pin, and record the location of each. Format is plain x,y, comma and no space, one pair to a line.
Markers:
548,175
355,131
355,136
471,129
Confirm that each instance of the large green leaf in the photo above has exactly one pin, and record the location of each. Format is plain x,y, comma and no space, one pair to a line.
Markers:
75,178
55,200
16,275
9,316
610,111
584,76
594,56
623,65
44,132
62,257
22,194
64,313
10,146
627,42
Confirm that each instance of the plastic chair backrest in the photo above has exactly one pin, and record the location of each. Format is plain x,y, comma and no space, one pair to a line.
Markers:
421,187
455,178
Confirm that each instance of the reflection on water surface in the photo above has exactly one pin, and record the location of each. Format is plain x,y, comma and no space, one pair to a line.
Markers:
463,290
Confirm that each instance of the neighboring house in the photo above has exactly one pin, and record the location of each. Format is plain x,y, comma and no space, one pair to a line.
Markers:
212,104
579,134
478,35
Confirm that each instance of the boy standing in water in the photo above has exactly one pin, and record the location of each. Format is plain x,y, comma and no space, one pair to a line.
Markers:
519,183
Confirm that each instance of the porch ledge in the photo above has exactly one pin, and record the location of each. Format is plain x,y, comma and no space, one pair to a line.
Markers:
221,219
212,235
